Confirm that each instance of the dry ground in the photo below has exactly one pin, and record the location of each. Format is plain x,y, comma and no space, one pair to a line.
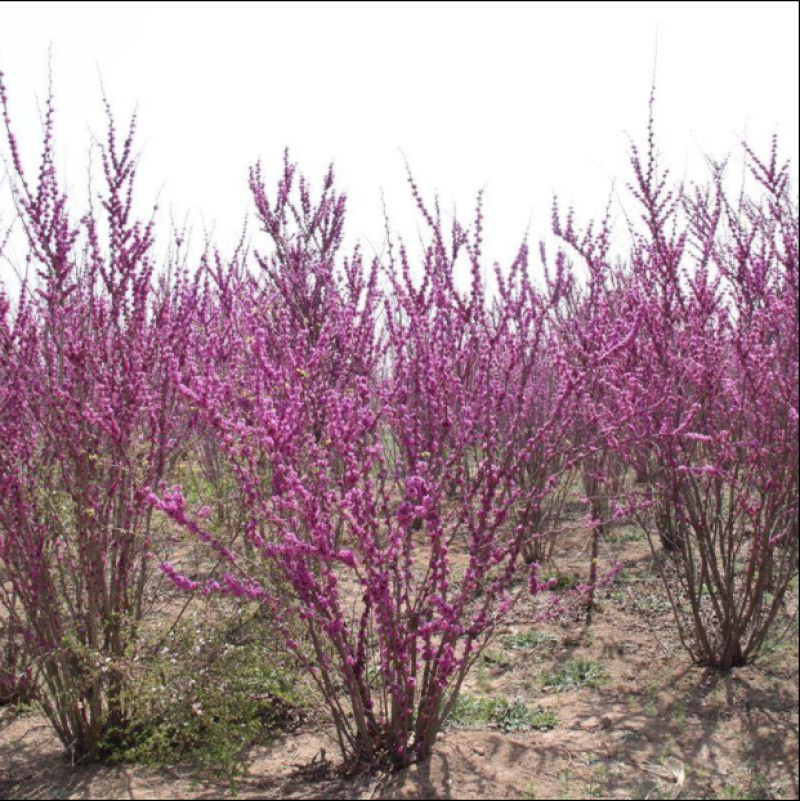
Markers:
652,726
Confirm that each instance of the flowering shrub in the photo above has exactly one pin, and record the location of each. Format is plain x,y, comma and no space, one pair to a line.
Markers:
713,393
382,493
699,402
90,415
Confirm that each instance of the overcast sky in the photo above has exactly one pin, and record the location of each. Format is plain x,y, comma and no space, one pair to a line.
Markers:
524,99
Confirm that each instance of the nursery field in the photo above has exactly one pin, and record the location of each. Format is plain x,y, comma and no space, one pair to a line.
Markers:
315,519
607,708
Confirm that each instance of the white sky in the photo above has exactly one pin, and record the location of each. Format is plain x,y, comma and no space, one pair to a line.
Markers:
522,98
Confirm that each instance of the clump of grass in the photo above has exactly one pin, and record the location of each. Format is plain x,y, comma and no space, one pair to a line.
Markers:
508,715
574,674
622,536
496,659
564,581
231,696
653,603
529,640
735,793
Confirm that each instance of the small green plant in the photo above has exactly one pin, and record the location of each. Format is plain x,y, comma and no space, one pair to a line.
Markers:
206,697
653,604
483,678
735,793
679,713
507,715
496,659
564,781
651,706
529,640
622,536
574,674
564,581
